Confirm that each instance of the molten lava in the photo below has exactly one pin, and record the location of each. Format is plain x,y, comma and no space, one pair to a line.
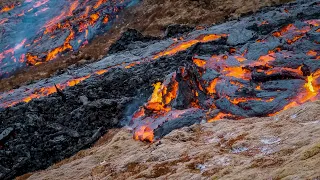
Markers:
52,54
144,133
76,81
47,39
102,71
228,76
219,116
187,44
199,62
155,102
7,8
312,53
211,89
237,72
161,98
236,89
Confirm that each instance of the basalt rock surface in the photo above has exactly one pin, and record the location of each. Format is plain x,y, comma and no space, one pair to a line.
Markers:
286,146
240,69
48,130
34,32
130,40
255,66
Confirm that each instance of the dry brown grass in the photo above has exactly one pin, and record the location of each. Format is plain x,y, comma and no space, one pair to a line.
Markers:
8,2
151,17
295,155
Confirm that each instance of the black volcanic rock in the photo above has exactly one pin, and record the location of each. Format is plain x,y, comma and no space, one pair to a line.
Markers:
130,37
259,77
177,30
48,130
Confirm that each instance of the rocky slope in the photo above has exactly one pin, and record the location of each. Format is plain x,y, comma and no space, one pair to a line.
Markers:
286,146
254,66
151,17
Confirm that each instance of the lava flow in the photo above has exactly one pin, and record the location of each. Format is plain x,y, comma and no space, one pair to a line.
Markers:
257,66
34,32
236,84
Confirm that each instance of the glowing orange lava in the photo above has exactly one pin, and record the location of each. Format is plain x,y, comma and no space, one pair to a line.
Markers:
312,53
52,54
130,65
240,58
187,44
6,8
283,30
315,22
211,89
94,18
31,59
265,59
73,6
294,39
311,90
98,4
156,103
263,23
74,82
100,72
199,62
237,72
144,133
105,19
171,94
219,116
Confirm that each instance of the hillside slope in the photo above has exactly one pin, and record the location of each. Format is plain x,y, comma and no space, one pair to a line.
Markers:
286,146
151,17
256,66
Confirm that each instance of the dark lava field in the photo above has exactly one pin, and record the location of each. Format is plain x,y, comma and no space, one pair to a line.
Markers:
255,66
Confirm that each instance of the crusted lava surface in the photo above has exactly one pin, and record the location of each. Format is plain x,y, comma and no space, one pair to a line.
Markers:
150,17
50,129
255,66
34,32
285,146
241,69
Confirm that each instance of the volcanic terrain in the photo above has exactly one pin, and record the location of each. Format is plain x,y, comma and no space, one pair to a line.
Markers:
286,146
150,17
251,70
